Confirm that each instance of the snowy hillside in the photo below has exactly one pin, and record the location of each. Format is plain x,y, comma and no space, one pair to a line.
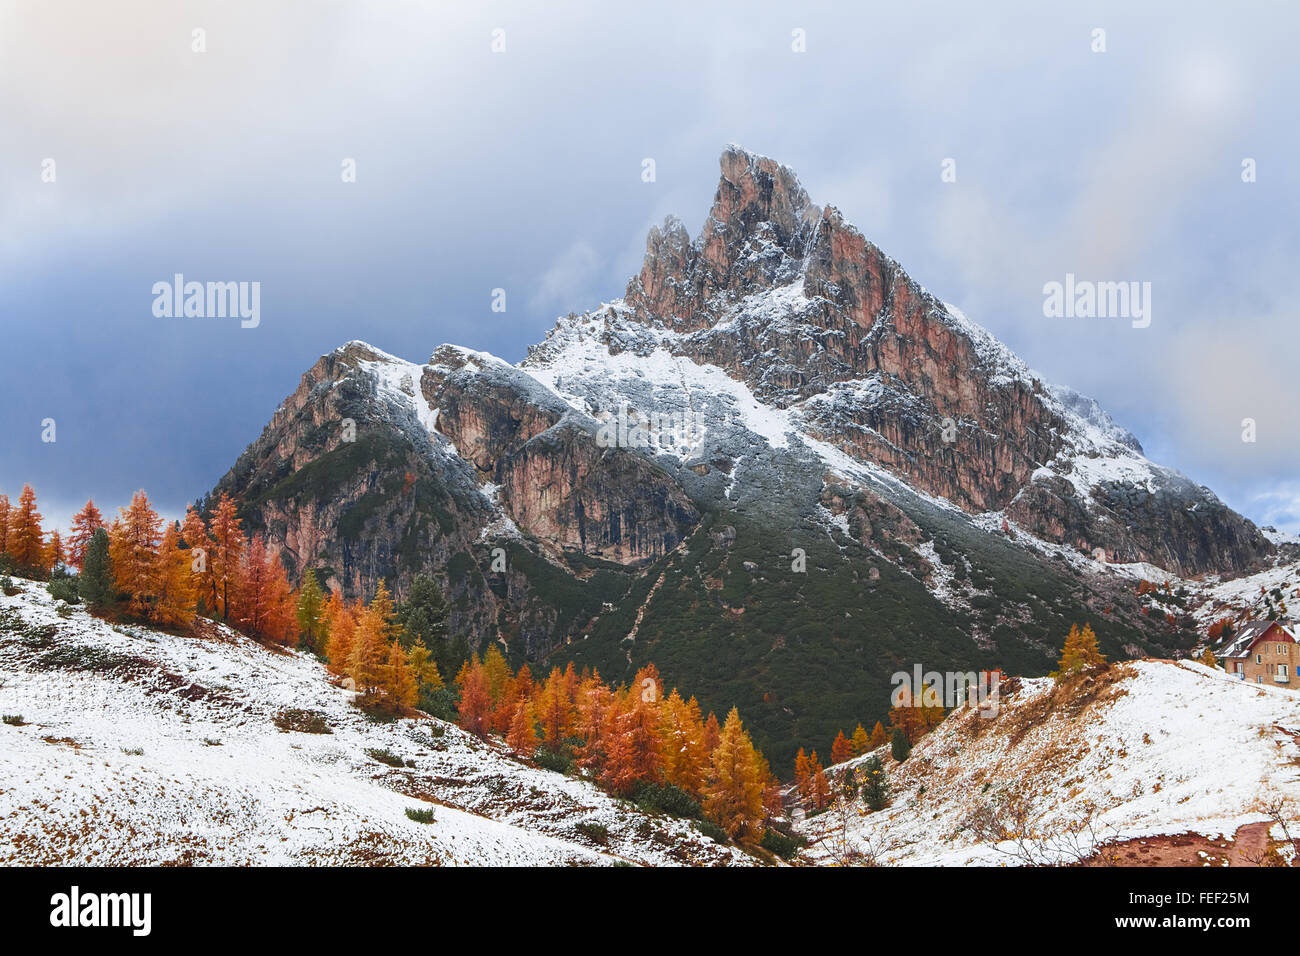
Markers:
141,747
1151,748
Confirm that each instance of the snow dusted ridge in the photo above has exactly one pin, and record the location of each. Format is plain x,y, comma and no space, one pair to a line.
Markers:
1165,749
141,747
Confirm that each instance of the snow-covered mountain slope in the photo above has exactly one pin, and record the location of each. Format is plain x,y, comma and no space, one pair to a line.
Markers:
140,747
1151,748
778,418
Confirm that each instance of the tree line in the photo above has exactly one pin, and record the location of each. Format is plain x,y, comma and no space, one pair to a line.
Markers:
633,739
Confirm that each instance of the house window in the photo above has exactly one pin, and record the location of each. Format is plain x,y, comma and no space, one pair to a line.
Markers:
1259,678
1280,674
1259,658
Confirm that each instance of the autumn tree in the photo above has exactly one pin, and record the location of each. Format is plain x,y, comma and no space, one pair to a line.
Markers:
4,524
266,608
841,749
522,735
133,546
198,544
554,709
24,541
366,660
1209,660
803,775
878,736
341,623
682,743
174,585
425,669
734,792
54,553
474,708
818,784
861,742
1080,652
227,550
84,524
398,679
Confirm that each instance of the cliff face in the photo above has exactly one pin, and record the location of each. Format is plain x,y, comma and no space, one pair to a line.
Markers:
798,304
799,399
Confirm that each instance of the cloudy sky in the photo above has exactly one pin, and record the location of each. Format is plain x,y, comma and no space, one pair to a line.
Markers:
521,170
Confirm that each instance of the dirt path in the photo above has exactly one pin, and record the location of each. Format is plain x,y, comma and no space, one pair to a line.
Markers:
1246,848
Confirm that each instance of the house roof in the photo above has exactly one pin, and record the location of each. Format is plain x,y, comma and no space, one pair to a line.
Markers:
1241,642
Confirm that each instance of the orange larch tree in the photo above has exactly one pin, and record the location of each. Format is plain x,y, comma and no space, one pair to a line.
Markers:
224,561
174,583
734,793
133,548
25,542
841,749
84,524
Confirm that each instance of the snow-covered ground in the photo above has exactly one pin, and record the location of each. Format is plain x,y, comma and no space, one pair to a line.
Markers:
168,752
1166,748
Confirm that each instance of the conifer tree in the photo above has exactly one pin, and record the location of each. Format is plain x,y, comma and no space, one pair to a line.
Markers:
54,553
84,523
398,679
368,649
266,605
174,584
900,746
497,671
1080,652
25,542
133,546
802,775
341,620
310,612
841,749
819,786
227,549
522,735
861,741
423,617
874,784
878,736
424,668
95,583
734,793
198,544
554,709
474,709
4,524
385,611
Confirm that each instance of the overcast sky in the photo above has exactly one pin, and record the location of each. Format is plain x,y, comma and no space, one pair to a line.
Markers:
521,170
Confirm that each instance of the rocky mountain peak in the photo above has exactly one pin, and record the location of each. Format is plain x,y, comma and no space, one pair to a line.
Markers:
757,235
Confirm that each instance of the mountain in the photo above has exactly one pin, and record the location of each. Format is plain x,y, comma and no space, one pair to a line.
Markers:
130,746
777,467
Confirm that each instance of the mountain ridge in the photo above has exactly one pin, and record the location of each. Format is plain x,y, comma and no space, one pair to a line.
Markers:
836,409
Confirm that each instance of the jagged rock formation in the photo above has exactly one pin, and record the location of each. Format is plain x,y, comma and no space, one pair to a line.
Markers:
778,376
